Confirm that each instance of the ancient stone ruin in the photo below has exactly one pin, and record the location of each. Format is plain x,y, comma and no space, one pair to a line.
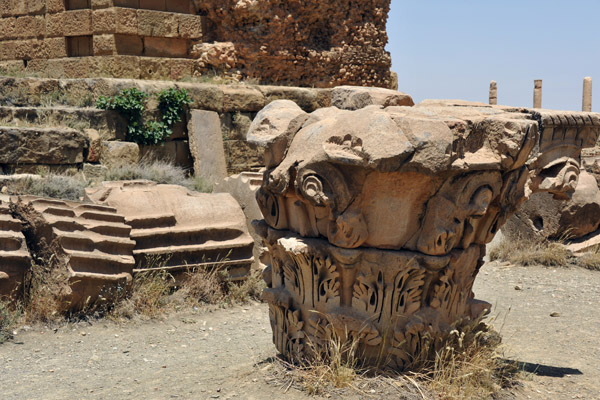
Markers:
376,220
268,41
89,245
177,230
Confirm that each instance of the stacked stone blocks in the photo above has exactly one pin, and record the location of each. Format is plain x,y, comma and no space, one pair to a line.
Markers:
145,39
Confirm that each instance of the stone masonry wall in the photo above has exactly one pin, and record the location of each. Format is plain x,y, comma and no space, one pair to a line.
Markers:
297,43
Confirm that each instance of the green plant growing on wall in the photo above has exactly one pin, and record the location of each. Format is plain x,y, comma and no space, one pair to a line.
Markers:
131,104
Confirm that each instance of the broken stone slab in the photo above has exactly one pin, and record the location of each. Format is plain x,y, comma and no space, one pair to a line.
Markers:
88,245
119,153
357,97
243,187
34,145
206,145
177,230
376,220
545,217
14,256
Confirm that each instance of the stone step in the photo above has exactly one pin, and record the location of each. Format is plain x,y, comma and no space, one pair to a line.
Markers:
214,253
109,124
94,239
162,237
14,256
74,241
151,221
34,145
99,262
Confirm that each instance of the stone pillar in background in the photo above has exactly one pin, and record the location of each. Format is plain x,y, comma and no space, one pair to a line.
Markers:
537,93
493,93
587,95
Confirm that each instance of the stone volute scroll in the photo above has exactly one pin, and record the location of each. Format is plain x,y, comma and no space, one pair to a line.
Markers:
376,219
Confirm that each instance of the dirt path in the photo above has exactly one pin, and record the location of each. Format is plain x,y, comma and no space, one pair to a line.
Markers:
225,353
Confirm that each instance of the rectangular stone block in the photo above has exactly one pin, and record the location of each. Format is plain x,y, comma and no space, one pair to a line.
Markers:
98,4
157,24
80,46
55,25
41,146
127,3
104,45
125,67
206,145
104,21
7,28
55,6
7,50
78,4
35,7
130,45
180,6
57,47
180,68
165,47
30,27
126,21
190,26
158,5
77,23
155,68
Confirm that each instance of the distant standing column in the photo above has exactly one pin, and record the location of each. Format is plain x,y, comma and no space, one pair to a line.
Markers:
493,93
537,93
587,95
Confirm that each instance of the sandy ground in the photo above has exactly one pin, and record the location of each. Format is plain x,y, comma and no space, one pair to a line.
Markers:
227,353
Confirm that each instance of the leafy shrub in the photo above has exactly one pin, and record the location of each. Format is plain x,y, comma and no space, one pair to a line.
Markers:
171,104
131,103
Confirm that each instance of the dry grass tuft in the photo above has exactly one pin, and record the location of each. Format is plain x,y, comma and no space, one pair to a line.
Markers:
161,172
590,260
157,292
63,187
531,252
466,364
10,315
45,289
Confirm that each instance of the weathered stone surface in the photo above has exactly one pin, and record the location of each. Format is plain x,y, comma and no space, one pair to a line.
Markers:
545,217
243,188
14,256
183,229
90,245
206,145
119,153
173,152
274,127
354,97
308,43
376,220
41,145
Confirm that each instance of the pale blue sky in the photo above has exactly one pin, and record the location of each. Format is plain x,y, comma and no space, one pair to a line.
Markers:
453,49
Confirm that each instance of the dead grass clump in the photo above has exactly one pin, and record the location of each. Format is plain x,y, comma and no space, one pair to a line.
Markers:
590,260
531,252
161,172
45,289
149,296
465,364
10,315
155,291
55,186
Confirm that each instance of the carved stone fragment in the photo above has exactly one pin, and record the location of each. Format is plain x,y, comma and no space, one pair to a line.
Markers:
376,220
